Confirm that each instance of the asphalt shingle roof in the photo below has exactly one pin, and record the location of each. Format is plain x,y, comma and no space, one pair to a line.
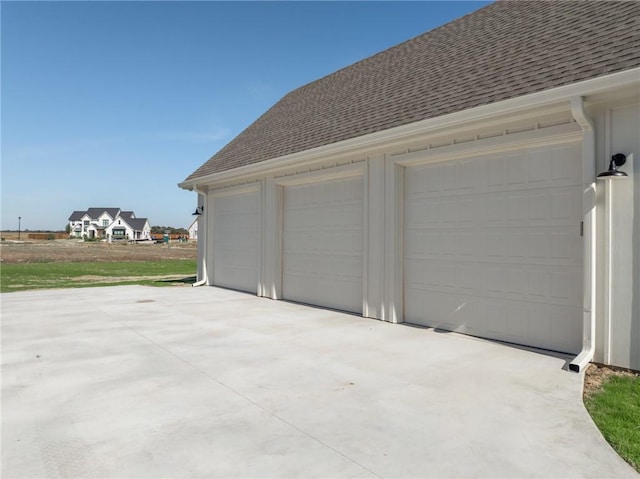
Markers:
94,213
502,51
136,224
77,215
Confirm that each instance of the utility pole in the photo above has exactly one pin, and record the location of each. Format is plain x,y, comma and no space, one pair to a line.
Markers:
19,219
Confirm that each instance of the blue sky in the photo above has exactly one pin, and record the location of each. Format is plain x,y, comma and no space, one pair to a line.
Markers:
114,103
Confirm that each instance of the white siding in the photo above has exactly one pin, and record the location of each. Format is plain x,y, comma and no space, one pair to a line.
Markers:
618,333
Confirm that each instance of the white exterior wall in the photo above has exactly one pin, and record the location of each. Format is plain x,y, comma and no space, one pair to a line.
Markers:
634,245
130,234
202,241
373,306
93,224
102,217
146,231
82,226
193,230
382,167
72,226
618,307
123,225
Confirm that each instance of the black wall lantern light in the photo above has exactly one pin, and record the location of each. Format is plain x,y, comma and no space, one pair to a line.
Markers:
617,160
200,210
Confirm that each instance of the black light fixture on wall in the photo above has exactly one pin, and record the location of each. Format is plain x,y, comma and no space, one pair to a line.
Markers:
612,173
199,211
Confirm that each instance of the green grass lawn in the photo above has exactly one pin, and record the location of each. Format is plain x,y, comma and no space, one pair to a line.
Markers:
616,411
28,276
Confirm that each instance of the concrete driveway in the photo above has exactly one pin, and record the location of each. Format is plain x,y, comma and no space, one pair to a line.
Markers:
139,382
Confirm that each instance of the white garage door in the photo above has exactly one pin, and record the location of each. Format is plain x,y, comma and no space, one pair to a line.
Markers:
322,244
235,241
493,247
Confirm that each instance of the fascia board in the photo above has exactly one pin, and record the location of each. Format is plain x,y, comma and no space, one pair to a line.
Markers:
511,106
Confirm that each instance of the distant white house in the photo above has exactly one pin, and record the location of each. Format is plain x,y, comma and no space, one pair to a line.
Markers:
109,223
193,230
91,223
129,228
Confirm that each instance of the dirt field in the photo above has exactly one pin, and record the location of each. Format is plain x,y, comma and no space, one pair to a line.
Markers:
64,251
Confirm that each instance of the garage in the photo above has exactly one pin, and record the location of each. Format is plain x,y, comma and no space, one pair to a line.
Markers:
322,238
476,195
236,240
493,246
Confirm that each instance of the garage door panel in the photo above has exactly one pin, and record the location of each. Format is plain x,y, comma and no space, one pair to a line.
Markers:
235,241
335,241
322,243
548,327
238,277
328,292
541,209
536,284
340,267
532,246
497,253
342,215
242,240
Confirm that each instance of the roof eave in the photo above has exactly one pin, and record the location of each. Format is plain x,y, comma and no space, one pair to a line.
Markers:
548,97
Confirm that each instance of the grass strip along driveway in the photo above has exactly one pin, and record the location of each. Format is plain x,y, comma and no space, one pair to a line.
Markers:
616,411
21,277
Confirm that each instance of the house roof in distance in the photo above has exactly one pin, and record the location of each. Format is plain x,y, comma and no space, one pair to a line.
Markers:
77,215
502,51
94,213
136,224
